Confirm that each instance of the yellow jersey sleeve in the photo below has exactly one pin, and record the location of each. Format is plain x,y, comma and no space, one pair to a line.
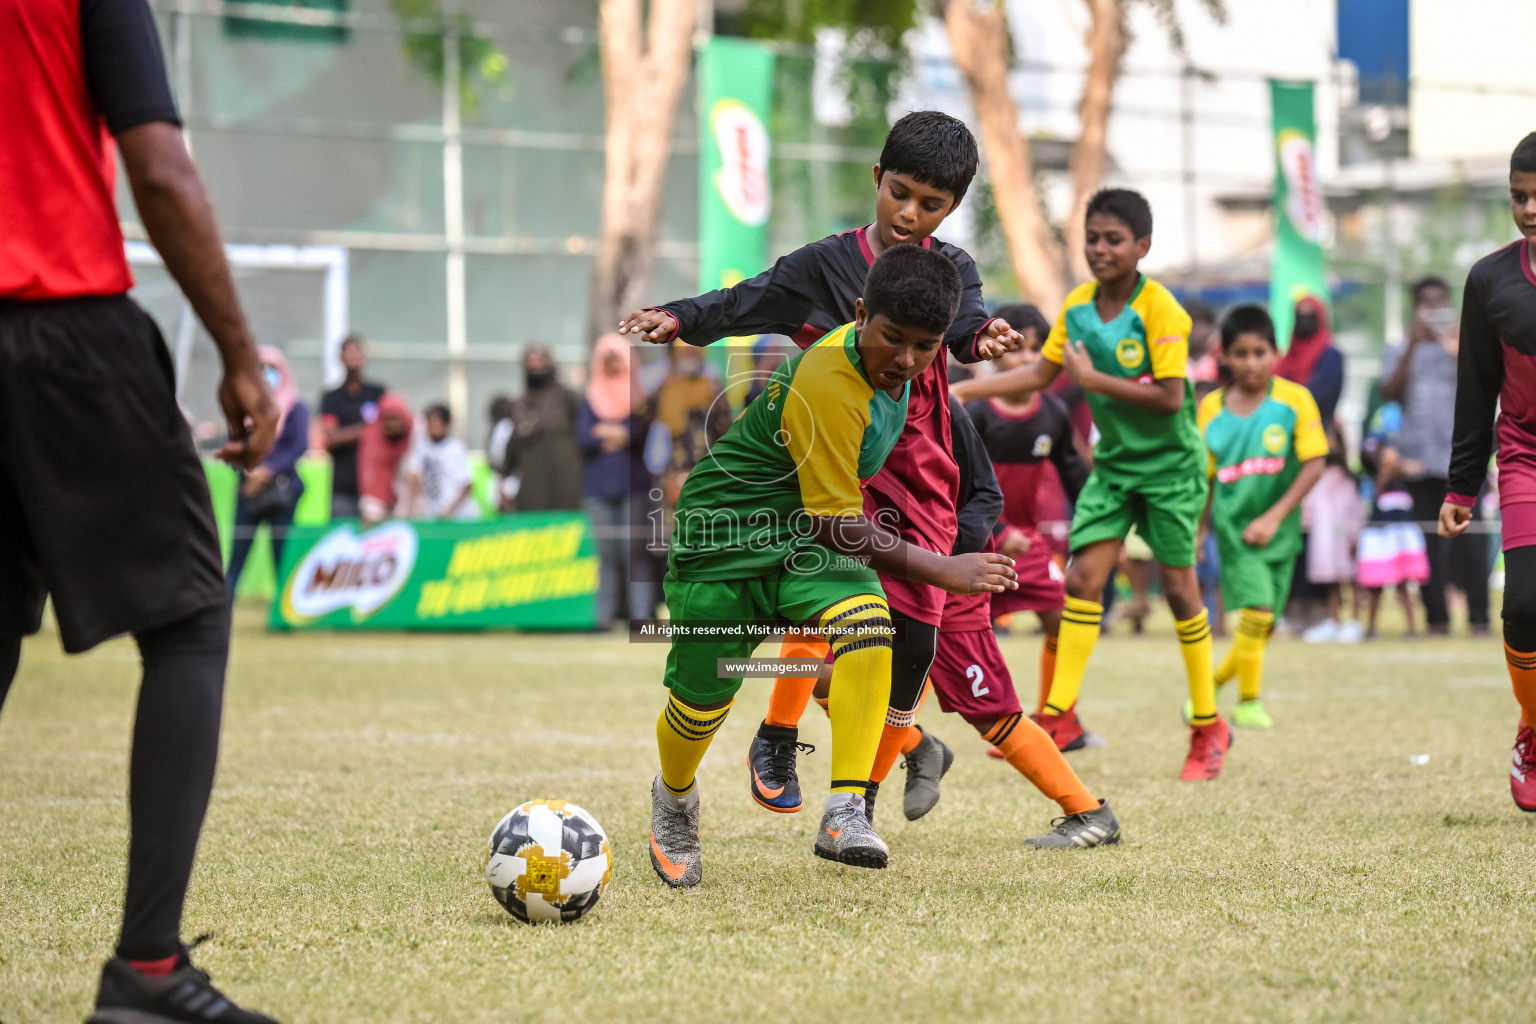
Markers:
1210,408
1167,331
825,416
1056,341
1309,441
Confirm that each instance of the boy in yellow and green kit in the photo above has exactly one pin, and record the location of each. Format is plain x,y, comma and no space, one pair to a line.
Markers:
1124,339
1266,444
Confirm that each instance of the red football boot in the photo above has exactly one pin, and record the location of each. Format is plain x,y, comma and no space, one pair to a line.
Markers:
1064,728
1522,769
1208,745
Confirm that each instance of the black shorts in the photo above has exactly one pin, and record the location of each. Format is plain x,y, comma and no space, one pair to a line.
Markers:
103,500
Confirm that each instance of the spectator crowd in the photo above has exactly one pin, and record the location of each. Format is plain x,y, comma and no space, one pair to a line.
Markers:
619,440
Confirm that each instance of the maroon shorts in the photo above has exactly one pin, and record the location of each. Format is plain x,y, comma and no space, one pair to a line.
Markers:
970,678
1042,584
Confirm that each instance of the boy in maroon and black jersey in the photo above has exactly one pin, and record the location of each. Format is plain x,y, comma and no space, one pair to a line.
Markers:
1025,439
924,171
1496,373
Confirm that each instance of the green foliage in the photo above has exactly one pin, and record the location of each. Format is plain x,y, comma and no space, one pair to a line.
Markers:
482,65
1167,14
797,20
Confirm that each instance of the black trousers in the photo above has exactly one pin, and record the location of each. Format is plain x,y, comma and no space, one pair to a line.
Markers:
1461,562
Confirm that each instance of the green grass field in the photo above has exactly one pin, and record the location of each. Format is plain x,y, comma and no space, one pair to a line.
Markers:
1325,877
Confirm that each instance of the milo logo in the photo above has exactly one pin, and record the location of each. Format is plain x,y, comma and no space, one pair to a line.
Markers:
742,180
350,570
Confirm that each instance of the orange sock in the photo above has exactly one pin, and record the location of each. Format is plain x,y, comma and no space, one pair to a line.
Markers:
825,703
1026,746
914,737
1047,670
891,742
790,693
1522,674
897,739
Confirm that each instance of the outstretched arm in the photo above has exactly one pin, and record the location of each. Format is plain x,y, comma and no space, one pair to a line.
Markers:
1015,383
777,301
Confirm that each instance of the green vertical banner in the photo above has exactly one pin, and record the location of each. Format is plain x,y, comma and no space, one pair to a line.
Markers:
735,101
1298,269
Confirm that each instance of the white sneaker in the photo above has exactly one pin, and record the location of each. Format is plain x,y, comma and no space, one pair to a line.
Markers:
1349,633
1324,632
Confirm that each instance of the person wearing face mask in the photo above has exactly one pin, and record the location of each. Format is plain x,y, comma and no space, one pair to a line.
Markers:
1311,360
542,452
1420,375
269,493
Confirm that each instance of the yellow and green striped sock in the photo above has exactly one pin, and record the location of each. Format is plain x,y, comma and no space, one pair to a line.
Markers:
1195,640
1079,632
683,734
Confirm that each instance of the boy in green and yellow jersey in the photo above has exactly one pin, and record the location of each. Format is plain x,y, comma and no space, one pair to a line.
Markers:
1124,339
770,527
1266,445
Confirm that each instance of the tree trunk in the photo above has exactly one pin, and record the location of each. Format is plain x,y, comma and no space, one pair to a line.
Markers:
1106,45
979,39
645,66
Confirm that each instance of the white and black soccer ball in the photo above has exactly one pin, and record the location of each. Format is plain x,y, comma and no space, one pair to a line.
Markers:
548,861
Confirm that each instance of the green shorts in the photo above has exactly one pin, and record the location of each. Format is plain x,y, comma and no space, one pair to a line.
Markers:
692,663
1250,580
1166,514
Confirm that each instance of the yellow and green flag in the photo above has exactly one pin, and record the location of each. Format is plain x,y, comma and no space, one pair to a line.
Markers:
1299,269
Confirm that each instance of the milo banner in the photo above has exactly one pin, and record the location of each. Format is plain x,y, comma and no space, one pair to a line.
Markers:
1299,213
535,570
735,101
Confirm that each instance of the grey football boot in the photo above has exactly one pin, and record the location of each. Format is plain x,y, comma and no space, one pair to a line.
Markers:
1097,827
847,837
675,851
926,765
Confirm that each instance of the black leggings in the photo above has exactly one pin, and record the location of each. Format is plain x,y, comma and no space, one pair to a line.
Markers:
1520,598
911,658
170,776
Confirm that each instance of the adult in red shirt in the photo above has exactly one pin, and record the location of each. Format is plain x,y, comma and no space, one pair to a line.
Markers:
103,501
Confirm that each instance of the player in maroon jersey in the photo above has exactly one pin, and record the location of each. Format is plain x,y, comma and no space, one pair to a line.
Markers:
1026,440
1496,377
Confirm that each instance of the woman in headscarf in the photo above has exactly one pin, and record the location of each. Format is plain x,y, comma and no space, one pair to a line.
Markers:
383,447
1312,361
615,482
542,452
269,493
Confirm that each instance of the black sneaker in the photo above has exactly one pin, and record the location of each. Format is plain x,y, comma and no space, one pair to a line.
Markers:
871,791
771,759
186,994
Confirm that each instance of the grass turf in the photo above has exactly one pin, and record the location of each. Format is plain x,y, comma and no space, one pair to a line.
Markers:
1324,877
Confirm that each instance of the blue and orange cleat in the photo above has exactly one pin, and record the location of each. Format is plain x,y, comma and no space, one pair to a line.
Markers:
771,763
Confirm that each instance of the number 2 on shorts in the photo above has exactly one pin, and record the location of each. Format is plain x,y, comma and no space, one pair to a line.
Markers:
976,675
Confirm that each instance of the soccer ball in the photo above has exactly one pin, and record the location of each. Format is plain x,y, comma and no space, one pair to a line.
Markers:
548,861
